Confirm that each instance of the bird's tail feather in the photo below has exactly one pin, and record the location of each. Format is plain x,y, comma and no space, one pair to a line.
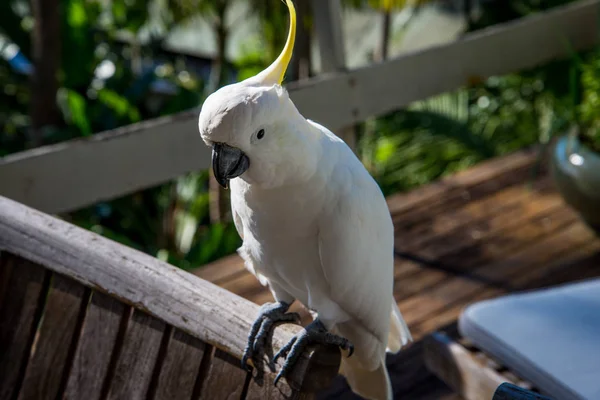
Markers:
372,385
399,333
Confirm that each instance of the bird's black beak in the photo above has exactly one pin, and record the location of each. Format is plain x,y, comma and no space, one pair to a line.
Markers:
228,163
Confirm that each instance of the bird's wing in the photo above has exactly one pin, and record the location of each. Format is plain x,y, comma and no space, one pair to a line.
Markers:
356,250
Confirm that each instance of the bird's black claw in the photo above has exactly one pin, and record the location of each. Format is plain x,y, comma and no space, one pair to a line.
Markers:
350,349
315,333
269,315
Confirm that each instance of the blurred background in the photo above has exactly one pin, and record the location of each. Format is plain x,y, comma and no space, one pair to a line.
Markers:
73,68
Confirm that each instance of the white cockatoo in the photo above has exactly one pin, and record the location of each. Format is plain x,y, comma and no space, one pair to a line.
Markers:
314,223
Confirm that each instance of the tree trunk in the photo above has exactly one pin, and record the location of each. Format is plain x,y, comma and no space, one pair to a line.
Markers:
301,60
46,49
467,13
385,35
217,73
216,194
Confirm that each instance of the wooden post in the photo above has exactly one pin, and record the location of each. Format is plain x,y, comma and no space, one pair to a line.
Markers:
300,66
328,23
46,58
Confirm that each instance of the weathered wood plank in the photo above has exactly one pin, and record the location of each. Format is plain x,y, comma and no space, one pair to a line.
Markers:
421,307
6,266
180,367
57,335
225,379
459,196
37,178
460,231
401,204
455,366
311,376
96,345
221,270
18,320
269,392
164,291
463,372
519,199
176,297
572,261
475,245
137,358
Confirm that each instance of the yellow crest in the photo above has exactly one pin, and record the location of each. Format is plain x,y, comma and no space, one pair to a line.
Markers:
276,71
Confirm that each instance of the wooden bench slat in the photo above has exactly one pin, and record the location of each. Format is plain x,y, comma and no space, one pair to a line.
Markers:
162,290
56,337
18,319
173,297
267,391
180,368
313,374
95,347
458,369
6,267
225,379
137,357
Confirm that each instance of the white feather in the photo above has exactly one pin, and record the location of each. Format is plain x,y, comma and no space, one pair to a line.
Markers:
315,226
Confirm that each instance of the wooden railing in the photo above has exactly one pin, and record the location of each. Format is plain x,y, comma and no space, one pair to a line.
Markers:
84,317
78,173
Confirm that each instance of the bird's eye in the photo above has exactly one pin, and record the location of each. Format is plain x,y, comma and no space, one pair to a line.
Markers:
260,134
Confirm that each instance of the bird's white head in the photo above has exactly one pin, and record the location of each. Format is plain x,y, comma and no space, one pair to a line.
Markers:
253,126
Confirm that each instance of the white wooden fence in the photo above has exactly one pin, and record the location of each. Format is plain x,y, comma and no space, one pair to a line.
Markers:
81,172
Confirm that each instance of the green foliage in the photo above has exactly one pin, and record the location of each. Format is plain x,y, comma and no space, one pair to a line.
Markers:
586,98
495,12
453,131
437,137
104,86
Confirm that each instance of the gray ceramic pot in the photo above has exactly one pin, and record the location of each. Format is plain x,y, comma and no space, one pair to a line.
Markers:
576,172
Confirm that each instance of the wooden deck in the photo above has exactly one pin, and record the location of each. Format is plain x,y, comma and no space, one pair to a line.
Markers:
496,228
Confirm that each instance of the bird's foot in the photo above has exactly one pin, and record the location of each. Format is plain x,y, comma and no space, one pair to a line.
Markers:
262,328
315,333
